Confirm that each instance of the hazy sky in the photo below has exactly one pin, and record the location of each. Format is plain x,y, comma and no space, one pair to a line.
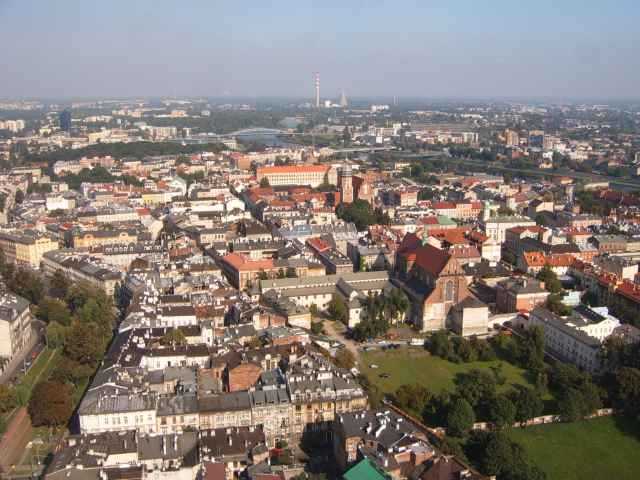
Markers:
459,48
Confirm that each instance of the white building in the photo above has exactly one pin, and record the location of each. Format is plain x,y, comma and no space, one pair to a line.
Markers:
577,338
15,324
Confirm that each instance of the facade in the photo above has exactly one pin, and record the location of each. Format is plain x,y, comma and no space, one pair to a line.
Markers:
520,294
470,317
578,338
496,227
311,175
433,279
96,238
15,324
26,248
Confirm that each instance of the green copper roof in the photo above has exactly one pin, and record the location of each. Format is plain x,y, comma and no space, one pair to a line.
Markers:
365,470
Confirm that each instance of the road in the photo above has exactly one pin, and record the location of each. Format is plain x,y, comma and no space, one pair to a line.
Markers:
35,346
335,330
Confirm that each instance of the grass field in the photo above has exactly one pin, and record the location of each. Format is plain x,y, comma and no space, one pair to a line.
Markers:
413,365
600,448
40,369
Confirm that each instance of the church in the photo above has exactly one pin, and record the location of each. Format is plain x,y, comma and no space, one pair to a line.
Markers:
434,281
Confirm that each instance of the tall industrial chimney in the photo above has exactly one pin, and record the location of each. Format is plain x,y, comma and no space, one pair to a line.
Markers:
317,90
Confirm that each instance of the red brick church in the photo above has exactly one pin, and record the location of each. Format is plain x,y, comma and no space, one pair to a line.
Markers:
433,279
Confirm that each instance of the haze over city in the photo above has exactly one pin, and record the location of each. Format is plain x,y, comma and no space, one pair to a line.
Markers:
369,48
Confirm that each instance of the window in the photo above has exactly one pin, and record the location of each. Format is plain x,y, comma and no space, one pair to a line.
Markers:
448,292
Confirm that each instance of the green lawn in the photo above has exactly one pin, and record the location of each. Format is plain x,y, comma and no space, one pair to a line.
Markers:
40,369
600,448
413,365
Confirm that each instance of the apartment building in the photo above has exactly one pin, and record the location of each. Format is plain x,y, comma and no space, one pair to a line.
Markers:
15,324
578,338
26,247
82,268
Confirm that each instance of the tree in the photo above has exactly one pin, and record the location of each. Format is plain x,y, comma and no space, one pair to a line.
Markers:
19,197
174,337
345,359
460,418
439,344
83,343
550,279
59,285
502,411
56,335
52,310
476,386
361,214
51,404
626,390
264,183
528,404
496,455
413,397
570,405
70,371
7,398
25,283
532,349
337,309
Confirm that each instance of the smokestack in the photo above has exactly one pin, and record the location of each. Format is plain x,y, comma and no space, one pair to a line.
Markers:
317,90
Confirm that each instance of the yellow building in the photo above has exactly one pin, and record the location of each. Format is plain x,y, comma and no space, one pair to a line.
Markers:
104,237
26,248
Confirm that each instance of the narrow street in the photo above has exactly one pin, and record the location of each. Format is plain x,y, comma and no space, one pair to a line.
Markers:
336,331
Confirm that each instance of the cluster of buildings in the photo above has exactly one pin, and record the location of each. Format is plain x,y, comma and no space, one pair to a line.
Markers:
222,261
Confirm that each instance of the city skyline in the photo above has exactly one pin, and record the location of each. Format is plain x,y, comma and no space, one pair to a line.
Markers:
425,50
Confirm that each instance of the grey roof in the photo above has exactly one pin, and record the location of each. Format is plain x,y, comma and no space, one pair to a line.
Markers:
225,402
386,428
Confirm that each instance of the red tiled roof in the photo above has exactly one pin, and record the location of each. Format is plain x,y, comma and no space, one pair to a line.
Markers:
431,259
318,244
444,205
241,262
561,260
629,290
534,259
533,228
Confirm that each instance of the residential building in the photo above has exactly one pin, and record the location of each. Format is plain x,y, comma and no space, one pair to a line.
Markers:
15,325
26,247
520,294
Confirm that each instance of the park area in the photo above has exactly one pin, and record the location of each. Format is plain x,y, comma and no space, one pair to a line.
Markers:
601,448
416,365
